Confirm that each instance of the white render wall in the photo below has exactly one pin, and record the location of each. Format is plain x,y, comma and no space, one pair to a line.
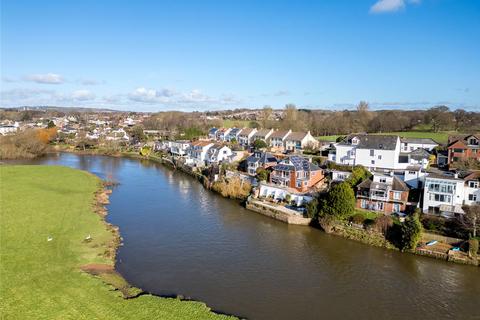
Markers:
457,196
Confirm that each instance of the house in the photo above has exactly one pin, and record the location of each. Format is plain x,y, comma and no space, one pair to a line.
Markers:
377,152
179,147
445,194
212,134
414,176
281,193
382,192
197,154
299,141
260,159
233,134
222,133
296,172
117,135
245,138
218,153
337,175
9,128
411,144
277,139
465,147
263,134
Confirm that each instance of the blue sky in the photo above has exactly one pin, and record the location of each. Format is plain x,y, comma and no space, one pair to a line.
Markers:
198,55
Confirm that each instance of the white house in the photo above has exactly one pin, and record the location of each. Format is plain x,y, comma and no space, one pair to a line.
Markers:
411,144
377,152
245,136
222,134
117,135
197,154
218,153
278,137
299,141
268,190
338,175
263,135
446,194
179,147
233,134
7,129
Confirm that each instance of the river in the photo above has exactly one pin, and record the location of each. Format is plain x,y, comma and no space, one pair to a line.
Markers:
180,238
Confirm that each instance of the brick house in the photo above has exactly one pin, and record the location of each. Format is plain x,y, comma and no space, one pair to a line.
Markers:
463,147
296,172
382,192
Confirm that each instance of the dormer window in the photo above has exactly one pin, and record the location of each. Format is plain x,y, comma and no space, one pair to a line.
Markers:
473,184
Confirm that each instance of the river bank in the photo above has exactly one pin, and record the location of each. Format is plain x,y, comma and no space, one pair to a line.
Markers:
53,233
340,229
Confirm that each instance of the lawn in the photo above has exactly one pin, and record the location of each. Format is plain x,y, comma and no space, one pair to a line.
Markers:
41,279
440,137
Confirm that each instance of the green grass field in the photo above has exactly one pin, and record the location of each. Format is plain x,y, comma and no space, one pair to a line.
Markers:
227,123
440,137
41,279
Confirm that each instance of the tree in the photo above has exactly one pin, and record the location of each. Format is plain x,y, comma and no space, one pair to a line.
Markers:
262,174
359,173
259,144
340,201
471,219
364,115
440,117
50,124
265,116
472,247
411,232
137,133
312,209
383,223
290,117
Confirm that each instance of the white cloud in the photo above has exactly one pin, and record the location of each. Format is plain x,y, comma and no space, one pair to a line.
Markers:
90,82
280,93
83,95
384,6
48,78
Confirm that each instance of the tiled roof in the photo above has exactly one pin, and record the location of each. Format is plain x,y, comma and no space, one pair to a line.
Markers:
262,132
419,140
377,142
296,136
279,134
246,131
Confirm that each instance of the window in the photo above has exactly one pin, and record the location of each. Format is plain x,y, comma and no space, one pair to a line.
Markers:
364,204
397,195
458,150
372,153
379,157
383,180
373,161
412,172
473,184
440,197
472,197
396,207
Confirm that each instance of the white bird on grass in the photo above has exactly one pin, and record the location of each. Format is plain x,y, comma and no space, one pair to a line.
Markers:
50,238
89,237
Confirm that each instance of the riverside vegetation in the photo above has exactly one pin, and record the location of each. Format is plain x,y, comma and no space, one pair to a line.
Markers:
50,233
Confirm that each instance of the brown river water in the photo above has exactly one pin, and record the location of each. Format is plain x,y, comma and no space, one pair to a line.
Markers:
180,238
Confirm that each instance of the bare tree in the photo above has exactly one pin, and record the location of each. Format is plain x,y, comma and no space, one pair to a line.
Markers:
471,219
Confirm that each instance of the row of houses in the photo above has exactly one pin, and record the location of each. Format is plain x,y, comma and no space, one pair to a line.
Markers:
399,165
278,140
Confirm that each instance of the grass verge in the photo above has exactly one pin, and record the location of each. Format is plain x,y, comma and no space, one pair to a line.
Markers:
41,279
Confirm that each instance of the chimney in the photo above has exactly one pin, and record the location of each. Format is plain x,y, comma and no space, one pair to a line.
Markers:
456,175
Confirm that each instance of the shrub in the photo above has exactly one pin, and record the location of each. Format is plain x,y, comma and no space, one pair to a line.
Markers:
259,144
383,223
433,223
359,173
357,218
312,209
233,188
262,174
411,232
25,145
340,201
327,222
472,248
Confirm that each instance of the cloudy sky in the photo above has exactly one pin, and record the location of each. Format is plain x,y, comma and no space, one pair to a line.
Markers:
197,55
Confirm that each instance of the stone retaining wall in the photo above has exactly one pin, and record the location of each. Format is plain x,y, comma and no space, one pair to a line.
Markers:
270,211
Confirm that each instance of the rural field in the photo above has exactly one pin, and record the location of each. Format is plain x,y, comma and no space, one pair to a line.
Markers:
440,137
41,279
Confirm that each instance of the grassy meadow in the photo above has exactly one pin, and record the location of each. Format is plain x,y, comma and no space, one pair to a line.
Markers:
41,279
440,137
